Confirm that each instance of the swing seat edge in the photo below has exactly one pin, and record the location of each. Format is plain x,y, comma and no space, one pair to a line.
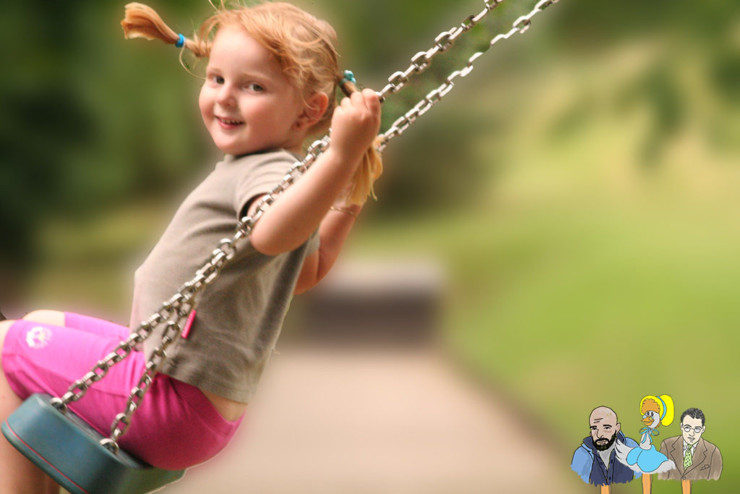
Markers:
69,451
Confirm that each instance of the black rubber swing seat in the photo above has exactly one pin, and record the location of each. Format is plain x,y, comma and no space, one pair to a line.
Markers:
69,451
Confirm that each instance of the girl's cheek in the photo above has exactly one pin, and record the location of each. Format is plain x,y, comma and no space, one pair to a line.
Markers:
203,102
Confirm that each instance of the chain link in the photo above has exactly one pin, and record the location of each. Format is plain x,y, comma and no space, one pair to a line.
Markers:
123,420
398,127
175,311
423,59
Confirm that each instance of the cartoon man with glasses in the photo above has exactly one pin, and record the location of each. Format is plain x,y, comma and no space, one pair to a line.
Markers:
695,457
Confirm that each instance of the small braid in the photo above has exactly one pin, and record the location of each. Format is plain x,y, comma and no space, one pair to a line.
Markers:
142,21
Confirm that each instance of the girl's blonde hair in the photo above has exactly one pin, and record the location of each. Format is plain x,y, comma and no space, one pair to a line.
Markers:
302,44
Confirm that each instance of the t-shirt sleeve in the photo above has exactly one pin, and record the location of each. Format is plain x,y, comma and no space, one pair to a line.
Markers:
261,178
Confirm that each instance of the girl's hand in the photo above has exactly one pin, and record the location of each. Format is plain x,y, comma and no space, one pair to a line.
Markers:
355,124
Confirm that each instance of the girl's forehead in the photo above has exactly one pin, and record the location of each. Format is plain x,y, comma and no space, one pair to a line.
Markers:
237,40
233,45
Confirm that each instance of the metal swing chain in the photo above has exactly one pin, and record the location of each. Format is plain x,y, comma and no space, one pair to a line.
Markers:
444,40
173,312
399,79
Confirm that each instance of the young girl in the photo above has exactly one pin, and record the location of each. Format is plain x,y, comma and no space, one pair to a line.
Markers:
270,84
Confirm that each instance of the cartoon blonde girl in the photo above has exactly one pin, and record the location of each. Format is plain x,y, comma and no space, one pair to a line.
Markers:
646,458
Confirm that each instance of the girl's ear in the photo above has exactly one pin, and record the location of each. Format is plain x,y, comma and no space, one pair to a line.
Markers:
315,108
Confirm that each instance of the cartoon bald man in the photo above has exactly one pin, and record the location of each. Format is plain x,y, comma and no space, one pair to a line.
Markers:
595,460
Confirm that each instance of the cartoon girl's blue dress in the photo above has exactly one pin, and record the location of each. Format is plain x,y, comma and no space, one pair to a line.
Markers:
648,459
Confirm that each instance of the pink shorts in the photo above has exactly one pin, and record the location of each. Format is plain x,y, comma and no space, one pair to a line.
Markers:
175,426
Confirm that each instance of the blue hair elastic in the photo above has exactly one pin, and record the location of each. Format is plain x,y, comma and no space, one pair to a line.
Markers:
180,41
349,77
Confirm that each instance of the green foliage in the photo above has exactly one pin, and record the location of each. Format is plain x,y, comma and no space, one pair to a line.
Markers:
88,120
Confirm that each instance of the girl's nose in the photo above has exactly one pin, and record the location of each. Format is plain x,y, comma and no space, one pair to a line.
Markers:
225,95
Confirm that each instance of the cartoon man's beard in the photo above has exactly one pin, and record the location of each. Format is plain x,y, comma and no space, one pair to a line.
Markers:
602,444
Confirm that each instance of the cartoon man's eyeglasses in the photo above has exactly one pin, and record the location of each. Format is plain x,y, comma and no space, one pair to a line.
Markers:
687,428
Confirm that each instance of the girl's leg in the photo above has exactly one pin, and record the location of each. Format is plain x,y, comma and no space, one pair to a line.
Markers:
54,317
17,474
79,322
175,427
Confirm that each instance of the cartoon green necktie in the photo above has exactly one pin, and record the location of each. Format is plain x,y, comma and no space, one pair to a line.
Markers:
687,458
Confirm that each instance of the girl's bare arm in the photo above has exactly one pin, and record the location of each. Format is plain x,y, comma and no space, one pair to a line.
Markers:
333,231
305,206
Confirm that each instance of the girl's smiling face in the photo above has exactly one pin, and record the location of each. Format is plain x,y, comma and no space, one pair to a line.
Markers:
247,103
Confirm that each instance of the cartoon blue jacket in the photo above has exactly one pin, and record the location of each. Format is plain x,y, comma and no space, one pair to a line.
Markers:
588,464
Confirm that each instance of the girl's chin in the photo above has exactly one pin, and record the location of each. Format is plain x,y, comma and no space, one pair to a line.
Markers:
230,147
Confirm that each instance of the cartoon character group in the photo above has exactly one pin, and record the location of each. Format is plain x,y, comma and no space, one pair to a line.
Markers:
607,456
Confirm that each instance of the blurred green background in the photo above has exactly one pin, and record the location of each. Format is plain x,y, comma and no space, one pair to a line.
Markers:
580,186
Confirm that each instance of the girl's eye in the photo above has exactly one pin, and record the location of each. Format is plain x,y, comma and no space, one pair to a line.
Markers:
253,86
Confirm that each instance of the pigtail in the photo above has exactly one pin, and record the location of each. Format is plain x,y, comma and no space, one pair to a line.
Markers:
141,21
372,163
367,173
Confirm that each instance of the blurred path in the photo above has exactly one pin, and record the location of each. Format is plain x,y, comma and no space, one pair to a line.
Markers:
356,421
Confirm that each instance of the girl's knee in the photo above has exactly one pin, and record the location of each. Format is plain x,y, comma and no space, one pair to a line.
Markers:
52,317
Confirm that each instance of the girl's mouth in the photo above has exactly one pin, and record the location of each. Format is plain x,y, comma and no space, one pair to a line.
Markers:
228,123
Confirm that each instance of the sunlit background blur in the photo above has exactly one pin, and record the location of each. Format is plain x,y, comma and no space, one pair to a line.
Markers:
578,189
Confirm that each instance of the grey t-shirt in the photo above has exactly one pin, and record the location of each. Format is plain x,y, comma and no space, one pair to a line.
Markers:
238,317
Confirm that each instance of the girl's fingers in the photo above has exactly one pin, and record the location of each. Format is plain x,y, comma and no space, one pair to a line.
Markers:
364,105
373,98
372,102
357,100
366,99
